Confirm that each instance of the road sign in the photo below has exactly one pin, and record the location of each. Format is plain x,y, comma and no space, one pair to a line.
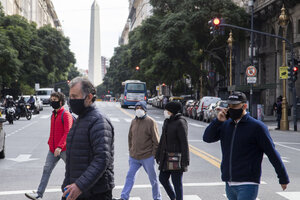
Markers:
251,79
251,71
283,72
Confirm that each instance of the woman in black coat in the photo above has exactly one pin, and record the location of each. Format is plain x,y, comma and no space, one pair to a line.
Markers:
173,140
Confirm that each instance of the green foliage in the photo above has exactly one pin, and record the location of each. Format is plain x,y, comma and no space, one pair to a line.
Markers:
29,55
167,45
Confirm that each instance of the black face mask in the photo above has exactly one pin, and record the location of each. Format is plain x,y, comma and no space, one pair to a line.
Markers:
55,104
235,113
77,106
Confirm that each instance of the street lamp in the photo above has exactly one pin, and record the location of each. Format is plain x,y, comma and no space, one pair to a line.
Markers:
283,21
230,41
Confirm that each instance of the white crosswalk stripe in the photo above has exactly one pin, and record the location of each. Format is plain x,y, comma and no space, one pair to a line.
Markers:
226,196
290,195
159,122
114,119
197,125
45,116
191,197
128,120
135,198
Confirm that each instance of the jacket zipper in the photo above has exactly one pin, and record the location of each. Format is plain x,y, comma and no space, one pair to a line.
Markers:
230,155
53,132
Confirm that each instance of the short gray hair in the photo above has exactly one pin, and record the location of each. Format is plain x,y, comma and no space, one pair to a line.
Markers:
86,86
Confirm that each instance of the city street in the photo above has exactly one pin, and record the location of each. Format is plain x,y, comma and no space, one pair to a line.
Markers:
26,149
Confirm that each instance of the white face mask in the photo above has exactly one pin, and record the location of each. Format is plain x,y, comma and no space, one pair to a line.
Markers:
140,113
166,114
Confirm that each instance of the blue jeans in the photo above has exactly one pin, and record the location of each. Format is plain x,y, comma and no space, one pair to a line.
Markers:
241,192
50,163
134,166
176,177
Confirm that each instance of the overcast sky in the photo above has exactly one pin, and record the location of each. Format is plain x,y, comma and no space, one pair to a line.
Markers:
75,18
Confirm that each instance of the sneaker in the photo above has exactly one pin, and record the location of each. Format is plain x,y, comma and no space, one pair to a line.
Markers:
33,196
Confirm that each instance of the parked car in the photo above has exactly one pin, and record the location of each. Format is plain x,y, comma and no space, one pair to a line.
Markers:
219,104
190,108
194,110
208,112
204,102
40,103
185,107
2,138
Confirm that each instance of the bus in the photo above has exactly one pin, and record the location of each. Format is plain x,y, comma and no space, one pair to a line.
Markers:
134,91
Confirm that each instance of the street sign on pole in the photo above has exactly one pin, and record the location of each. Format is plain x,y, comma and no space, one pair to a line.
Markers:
251,79
251,71
283,72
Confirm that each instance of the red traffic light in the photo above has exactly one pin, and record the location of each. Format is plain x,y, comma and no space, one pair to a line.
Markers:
137,68
216,21
68,81
295,69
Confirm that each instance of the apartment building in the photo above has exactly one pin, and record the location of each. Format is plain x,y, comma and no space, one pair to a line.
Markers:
41,12
139,10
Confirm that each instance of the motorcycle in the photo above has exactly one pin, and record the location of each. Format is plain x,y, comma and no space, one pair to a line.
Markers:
23,111
10,116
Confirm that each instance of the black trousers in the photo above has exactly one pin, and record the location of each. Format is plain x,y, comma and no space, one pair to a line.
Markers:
100,196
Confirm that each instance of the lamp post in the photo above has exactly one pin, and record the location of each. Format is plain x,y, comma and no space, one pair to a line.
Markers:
283,21
230,41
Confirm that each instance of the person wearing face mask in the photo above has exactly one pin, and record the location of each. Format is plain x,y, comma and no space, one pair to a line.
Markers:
174,139
142,143
244,140
90,147
61,123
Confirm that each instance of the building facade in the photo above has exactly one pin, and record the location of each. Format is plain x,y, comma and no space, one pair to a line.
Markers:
268,52
41,12
104,65
139,10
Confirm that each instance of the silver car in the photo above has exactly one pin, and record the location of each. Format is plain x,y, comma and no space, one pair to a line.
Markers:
2,138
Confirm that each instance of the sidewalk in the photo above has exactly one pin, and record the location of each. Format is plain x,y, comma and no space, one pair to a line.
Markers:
271,122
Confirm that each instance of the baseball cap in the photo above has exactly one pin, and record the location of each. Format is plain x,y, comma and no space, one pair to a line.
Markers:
237,98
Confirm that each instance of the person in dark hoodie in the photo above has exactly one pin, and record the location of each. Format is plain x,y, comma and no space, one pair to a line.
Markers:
142,142
244,141
89,171
174,139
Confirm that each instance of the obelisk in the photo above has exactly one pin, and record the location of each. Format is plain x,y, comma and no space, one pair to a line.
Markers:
94,73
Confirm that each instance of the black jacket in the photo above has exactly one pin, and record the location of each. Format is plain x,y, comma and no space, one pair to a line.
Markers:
174,138
90,154
243,146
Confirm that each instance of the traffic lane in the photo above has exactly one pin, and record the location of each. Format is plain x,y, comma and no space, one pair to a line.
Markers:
32,140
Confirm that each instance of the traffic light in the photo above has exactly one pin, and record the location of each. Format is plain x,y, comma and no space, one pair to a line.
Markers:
290,73
295,73
137,68
214,26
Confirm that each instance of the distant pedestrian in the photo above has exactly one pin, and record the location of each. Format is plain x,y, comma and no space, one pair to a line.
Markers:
278,108
61,122
244,140
143,142
174,140
90,147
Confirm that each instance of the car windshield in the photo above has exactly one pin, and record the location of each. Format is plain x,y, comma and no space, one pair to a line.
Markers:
223,105
136,86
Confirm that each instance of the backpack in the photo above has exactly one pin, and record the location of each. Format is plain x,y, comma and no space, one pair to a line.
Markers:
62,117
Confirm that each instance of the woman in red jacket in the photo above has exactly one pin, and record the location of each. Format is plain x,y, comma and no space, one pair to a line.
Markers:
61,123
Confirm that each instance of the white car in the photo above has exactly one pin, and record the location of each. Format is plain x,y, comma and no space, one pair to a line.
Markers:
204,103
37,103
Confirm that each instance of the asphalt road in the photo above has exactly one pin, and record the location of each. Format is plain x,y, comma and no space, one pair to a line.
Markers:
26,149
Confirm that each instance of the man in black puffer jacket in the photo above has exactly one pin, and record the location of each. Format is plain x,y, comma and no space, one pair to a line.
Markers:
90,148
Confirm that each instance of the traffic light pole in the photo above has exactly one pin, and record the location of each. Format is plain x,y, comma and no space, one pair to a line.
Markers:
293,63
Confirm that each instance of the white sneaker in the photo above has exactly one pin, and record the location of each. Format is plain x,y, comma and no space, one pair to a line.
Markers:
33,196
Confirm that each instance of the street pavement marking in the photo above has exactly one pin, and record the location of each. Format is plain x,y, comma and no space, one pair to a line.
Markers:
191,197
114,119
45,116
279,144
159,122
290,195
206,156
128,120
197,125
135,198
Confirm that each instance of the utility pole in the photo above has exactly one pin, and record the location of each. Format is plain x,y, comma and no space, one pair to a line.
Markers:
250,4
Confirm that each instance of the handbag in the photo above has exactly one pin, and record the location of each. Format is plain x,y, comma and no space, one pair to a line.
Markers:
173,161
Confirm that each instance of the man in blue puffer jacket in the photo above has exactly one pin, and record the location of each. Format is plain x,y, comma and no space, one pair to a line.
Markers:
90,147
244,140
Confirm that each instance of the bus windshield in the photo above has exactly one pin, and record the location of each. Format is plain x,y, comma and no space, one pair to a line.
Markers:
135,87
